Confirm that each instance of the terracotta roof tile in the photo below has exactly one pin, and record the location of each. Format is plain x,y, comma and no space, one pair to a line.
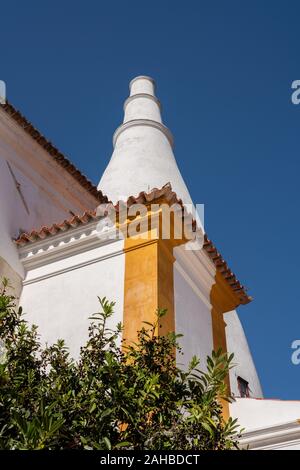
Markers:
44,232
61,159
143,198
228,275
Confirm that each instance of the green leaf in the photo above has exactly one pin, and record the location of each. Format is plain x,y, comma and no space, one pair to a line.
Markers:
107,443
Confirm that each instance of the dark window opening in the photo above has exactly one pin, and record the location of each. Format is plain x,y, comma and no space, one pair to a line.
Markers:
243,386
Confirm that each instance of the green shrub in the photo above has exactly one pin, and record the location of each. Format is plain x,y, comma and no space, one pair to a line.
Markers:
113,397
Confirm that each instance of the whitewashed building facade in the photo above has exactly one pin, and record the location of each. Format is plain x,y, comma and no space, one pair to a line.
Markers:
60,254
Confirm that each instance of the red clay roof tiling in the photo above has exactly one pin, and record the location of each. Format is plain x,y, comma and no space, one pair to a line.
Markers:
223,268
61,159
143,198
45,231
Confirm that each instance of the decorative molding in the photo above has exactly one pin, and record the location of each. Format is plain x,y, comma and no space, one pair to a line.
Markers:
57,272
143,122
65,244
196,288
141,77
198,273
272,437
141,95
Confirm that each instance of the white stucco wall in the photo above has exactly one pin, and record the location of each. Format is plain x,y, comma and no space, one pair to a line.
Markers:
13,213
258,413
50,191
244,368
142,160
268,424
61,295
193,277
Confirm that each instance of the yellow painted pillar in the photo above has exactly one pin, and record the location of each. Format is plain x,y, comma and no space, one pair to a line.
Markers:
222,300
148,284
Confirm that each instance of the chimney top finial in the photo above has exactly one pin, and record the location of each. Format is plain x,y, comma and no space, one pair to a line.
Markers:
142,84
143,157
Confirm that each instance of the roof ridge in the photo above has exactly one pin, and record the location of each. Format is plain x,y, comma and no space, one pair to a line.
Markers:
56,154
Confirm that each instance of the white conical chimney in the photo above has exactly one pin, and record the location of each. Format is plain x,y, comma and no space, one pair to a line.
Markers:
143,158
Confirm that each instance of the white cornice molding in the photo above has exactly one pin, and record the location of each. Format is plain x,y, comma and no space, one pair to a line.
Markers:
200,260
272,437
199,272
73,267
65,244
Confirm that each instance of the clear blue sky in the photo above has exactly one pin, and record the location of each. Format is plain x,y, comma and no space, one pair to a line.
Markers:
224,72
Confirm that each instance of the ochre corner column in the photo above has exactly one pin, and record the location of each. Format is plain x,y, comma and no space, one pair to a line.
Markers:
140,285
222,300
165,283
148,285
218,326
